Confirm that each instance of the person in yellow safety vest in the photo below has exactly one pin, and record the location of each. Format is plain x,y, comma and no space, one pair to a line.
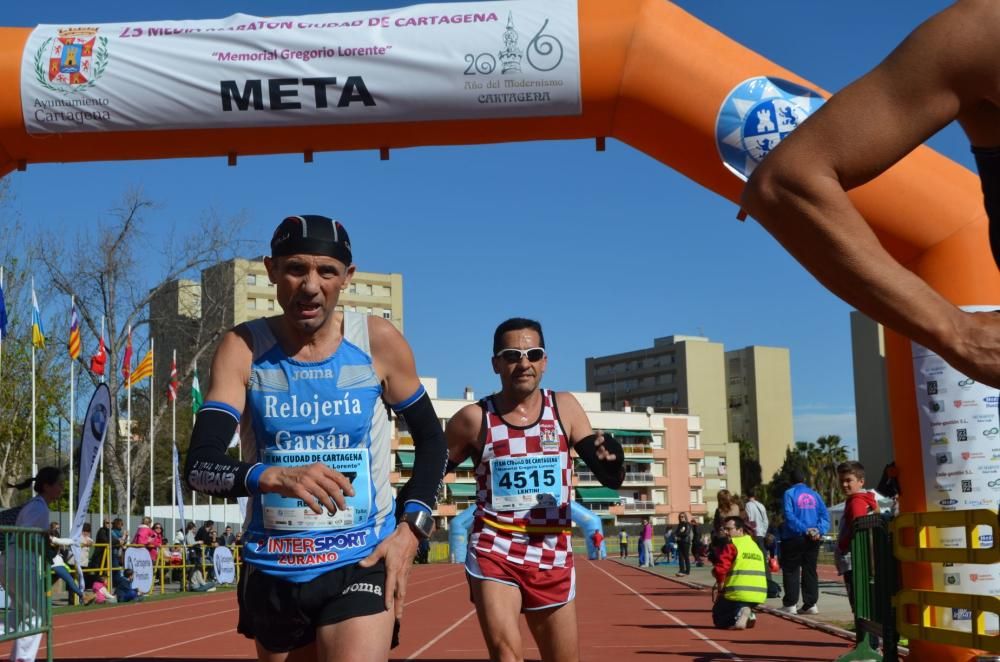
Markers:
740,578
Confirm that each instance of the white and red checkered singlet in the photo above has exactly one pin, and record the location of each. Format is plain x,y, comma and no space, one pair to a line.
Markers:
524,481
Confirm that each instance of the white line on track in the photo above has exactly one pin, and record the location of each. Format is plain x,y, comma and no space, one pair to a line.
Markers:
431,595
669,615
440,636
179,643
429,579
139,629
128,613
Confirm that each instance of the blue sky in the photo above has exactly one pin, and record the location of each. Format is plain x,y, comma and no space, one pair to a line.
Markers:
609,250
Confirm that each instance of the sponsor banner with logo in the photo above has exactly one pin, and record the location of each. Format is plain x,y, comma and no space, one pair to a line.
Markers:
138,559
960,440
424,62
95,427
225,566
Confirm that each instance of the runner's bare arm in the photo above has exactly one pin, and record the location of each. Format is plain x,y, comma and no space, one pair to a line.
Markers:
942,71
464,435
210,470
394,364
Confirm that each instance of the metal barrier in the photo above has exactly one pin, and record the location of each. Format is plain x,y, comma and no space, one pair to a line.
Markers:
874,579
915,608
27,583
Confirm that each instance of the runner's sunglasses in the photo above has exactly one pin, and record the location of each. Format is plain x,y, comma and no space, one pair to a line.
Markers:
534,354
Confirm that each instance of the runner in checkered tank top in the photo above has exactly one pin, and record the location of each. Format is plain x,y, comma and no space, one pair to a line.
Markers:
527,521
520,554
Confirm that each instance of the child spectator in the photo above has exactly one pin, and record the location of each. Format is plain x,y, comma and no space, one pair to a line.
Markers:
859,503
197,582
123,587
101,592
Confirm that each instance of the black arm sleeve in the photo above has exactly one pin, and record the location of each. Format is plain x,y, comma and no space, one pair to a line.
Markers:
208,469
430,453
611,473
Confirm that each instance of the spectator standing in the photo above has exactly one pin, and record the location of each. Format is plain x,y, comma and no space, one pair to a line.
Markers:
806,520
757,521
147,537
598,540
729,506
86,553
623,543
859,503
54,555
102,547
739,578
683,534
227,538
647,542
119,538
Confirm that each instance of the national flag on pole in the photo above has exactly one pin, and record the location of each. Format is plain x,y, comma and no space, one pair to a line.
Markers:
99,360
37,331
3,314
143,370
196,397
74,334
172,384
127,359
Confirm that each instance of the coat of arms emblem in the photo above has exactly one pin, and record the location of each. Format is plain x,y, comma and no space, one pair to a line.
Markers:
73,61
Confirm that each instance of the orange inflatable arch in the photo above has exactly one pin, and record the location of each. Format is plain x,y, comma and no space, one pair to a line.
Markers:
653,77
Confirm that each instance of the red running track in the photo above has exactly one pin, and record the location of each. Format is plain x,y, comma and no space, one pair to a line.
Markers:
624,614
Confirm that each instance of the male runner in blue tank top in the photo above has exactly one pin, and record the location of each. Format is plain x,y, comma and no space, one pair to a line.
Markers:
326,553
947,69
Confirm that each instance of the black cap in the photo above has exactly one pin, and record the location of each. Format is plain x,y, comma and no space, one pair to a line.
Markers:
312,235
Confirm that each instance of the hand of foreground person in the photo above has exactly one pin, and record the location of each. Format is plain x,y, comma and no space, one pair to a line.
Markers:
316,485
603,454
398,551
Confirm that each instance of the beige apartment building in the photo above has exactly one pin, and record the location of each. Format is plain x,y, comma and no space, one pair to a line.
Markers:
683,375
759,398
664,465
871,395
694,376
238,290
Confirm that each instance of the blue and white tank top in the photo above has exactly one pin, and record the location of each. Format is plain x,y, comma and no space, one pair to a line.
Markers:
303,412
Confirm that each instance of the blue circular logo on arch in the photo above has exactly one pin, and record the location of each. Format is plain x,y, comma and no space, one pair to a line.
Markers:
757,115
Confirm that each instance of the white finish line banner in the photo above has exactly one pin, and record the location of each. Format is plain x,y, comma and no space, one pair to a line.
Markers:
425,62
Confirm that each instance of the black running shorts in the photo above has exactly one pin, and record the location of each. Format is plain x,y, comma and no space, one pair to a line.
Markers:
282,615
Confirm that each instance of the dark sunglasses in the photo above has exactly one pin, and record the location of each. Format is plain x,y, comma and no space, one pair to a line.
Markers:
534,354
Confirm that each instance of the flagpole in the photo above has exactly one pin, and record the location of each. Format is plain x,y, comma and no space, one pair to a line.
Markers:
173,436
34,459
72,408
151,398
128,439
101,496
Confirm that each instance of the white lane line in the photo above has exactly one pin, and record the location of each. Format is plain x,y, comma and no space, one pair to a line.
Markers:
179,643
448,588
435,578
132,612
669,615
440,636
139,629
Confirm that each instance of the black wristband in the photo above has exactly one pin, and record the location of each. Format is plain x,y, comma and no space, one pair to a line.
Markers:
611,473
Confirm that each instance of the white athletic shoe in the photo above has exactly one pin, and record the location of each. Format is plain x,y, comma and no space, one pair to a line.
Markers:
790,609
742,616
812,610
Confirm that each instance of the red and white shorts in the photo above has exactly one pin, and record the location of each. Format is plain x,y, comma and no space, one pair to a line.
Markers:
540,589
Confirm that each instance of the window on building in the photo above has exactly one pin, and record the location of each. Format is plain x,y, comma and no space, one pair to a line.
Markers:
251,304
693,442
352,288
251,279
722,466
723,484
270,304
695,495
387,314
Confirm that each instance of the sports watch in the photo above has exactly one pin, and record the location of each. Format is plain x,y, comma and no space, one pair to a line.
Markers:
420,521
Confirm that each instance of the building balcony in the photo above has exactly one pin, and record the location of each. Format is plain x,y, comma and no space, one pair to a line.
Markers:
633,478
696,454
643,450
696,481
639,508
662,509
661,481
698,508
